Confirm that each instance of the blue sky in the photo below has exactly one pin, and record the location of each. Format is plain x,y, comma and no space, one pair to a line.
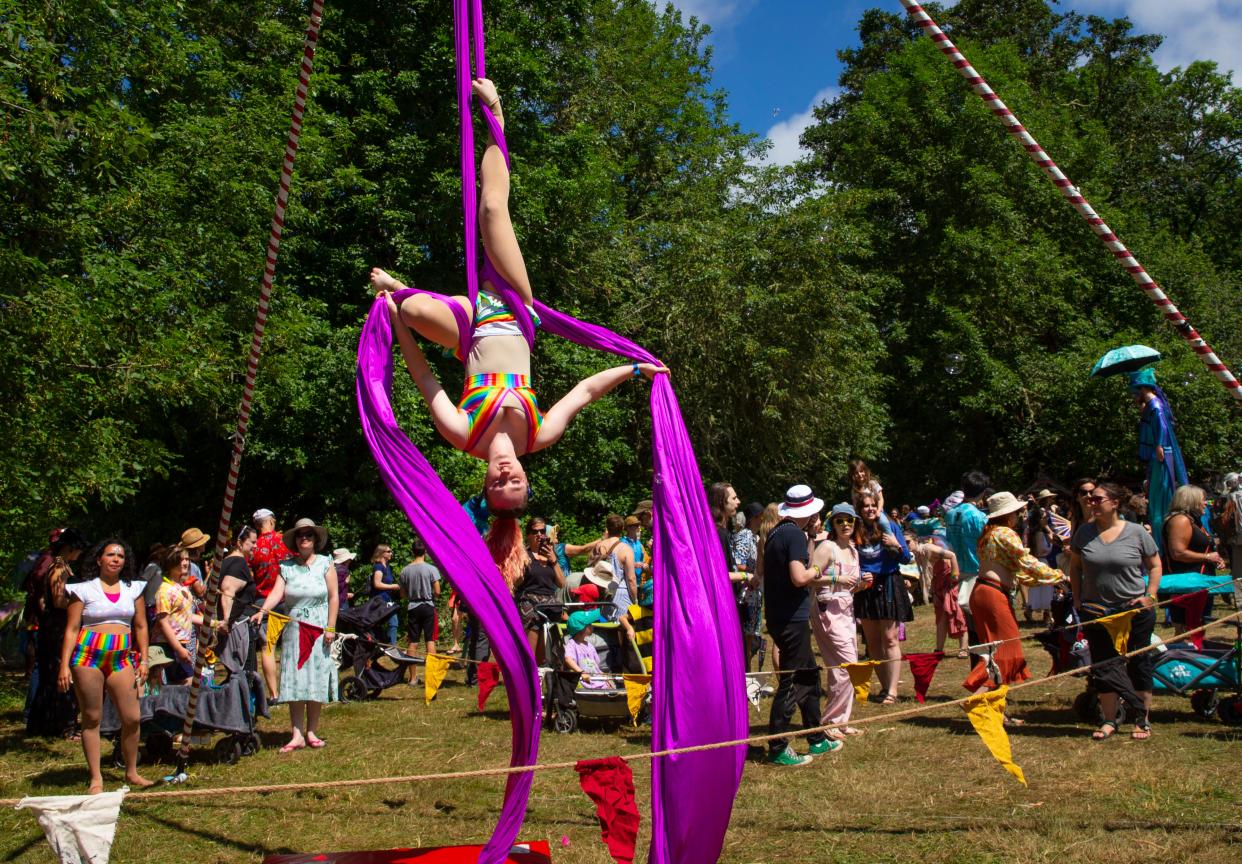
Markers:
778,58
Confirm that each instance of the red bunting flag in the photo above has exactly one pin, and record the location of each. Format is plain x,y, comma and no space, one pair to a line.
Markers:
923,667
489,677
307,634
610,784
1195,605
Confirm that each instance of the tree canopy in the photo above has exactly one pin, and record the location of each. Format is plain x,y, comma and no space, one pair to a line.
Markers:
913,292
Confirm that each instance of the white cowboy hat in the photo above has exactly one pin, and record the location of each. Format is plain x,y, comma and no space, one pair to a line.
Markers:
800,501
1004,503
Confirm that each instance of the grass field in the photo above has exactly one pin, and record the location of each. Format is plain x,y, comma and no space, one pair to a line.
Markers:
923,789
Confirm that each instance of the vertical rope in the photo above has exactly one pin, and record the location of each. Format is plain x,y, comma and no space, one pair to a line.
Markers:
1074,196
252,366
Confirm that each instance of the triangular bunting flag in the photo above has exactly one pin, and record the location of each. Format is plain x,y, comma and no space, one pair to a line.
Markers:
987,714
1194,604
923,667
1118,627
433,675
489,677
307,634
275,626
860,677
78,827
636,687
610,784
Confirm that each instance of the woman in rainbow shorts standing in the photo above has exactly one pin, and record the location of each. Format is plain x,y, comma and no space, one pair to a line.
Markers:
106,647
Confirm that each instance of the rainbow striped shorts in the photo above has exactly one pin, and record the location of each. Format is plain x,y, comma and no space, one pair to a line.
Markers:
107,652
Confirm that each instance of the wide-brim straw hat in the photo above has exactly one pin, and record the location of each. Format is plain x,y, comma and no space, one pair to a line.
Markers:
1044,494
321,534
800,501
193,538
1004,503
340,556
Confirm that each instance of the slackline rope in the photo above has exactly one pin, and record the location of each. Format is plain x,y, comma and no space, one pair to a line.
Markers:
885,717
1074,196
252,369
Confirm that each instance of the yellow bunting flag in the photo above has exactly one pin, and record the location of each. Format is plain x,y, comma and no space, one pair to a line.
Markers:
636,687
987,714
1118,627
275,626
860,677
433,675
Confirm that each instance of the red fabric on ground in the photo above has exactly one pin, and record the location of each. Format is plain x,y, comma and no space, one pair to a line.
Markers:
610,784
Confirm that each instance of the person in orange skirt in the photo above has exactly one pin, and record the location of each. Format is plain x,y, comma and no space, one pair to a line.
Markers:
1004,563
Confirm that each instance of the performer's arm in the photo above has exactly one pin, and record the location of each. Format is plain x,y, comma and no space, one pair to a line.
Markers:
587,391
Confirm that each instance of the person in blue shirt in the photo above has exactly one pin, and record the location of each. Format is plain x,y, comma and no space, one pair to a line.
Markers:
883,605
1158,450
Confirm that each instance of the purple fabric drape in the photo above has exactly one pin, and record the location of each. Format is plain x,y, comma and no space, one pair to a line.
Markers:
698,675
450,536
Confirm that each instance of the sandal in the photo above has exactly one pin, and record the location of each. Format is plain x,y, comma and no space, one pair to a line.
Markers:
315,743
1014,721
889,699
290,747
963,654
1142,731
1102,735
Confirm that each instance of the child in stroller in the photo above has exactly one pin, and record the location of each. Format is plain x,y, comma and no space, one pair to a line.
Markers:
577,681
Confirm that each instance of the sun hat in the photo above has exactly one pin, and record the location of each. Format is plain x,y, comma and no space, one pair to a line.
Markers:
579,621
192,538
644,506
1004,503
842,509
1142,378
631,521
321,534
341,555
923,510
601,574
157,656
800,501
262,513
751,510
1045,493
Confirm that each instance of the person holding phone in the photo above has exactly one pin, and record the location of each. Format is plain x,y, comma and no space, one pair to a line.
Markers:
541,577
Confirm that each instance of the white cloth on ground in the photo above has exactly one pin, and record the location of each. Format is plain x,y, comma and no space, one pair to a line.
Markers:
80,828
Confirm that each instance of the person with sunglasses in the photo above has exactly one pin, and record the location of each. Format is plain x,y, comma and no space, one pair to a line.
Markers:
1108,557
541,578
307,583
883,604
832,618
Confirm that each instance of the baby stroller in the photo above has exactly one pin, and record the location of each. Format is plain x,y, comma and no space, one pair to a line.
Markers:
1202,672
362,630
229,703
564,701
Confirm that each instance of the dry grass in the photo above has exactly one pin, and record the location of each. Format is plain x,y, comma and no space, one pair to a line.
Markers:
920,790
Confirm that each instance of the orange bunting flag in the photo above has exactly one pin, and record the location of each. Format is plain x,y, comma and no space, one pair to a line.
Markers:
1118,627
489,677
433,675
275,626
860,677
987,714
636,687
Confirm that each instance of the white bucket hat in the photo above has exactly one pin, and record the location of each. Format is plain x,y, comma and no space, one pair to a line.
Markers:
1004,503
800,501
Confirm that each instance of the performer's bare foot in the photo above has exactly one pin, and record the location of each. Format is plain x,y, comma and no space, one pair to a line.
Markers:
138,781
381,281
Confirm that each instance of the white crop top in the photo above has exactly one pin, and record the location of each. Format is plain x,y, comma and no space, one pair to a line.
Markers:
98,609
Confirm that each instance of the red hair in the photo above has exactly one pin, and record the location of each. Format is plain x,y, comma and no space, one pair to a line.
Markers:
504,541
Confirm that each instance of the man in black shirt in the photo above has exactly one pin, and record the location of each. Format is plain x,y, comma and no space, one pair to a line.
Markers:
787,584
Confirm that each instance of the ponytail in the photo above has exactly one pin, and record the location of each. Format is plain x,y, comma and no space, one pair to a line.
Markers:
504,541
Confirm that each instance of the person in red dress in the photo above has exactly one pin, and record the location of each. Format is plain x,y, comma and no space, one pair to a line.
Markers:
269,551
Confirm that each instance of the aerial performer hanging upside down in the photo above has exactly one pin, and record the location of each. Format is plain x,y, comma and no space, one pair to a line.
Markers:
1158,449
498,418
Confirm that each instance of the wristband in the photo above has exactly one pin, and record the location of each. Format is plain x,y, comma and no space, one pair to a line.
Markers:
636,370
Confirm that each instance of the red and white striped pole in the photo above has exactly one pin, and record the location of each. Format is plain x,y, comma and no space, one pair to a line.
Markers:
252,366
1071,193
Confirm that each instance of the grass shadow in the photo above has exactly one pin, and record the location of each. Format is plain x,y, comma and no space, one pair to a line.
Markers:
249,848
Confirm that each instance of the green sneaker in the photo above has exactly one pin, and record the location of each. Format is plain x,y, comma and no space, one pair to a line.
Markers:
789,757
826,746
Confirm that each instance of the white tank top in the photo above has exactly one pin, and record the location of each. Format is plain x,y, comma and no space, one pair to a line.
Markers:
98,609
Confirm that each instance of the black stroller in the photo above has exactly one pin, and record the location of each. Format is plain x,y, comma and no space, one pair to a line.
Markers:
362,630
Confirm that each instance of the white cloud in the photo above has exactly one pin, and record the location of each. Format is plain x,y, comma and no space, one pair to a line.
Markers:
784,136
1193,29
717,14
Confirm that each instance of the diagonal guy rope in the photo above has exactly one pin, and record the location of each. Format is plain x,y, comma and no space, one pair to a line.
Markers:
252,365
885,717
1074,196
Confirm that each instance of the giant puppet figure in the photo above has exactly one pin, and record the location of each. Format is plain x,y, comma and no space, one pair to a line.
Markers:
1158,449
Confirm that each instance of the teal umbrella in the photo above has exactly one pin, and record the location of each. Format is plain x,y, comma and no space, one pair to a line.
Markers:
1119,361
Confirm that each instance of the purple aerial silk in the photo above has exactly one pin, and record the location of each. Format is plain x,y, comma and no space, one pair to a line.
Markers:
698,674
